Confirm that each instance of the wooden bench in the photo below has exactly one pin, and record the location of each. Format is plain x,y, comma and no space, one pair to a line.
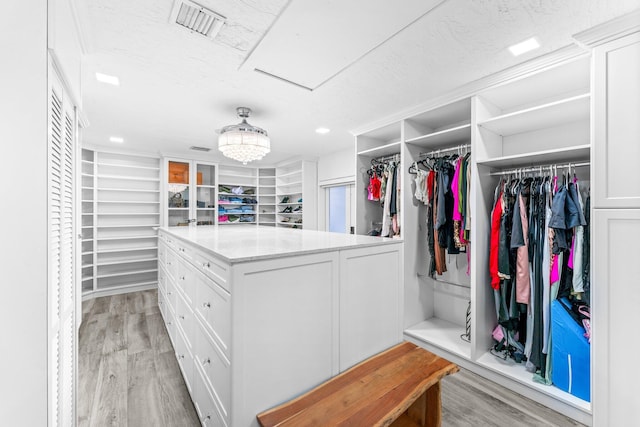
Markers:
398,387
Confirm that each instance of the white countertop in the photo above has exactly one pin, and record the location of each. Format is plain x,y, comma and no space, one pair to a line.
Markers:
242,243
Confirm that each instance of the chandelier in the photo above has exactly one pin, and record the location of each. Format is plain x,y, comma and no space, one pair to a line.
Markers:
244,142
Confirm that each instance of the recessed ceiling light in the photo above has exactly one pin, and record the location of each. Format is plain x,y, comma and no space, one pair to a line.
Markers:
322,131
524,47
105,78
117,139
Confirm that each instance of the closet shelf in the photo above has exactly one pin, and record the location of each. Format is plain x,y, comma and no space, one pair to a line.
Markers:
128,226
88,162
383,150
237,175
444,137
133,190
290,184
205,209
518,373
129,178
113,251
284,175
126,202
443,334
125,285
128,213
178,209
556,113
129,166
126,273
559,155
236,195
237,184
101,239
206,186
87,175
129,261
236,222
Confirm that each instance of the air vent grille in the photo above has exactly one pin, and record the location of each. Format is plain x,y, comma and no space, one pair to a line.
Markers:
196,148
196,18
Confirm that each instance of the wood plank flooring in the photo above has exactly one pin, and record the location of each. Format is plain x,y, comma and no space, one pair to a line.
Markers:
129,376
127,370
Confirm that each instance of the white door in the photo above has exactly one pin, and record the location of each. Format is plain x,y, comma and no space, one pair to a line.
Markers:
339,208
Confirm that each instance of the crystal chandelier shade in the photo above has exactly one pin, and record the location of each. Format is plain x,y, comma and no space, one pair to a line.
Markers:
244,142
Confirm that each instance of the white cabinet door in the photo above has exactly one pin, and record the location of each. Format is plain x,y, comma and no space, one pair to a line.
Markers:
616,118
615,301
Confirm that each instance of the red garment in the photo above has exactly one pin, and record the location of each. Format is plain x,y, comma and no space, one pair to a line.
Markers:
374,188
495,243
430,178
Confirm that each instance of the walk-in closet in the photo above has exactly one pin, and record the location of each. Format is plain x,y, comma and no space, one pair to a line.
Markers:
235,207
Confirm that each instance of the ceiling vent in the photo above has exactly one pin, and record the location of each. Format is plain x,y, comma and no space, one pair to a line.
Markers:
195,148
196,18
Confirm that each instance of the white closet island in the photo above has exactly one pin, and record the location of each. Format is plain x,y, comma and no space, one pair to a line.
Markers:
258,315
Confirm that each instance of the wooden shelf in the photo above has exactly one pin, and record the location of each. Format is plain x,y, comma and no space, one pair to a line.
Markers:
556,113
130,261
559,155
442,138
443,334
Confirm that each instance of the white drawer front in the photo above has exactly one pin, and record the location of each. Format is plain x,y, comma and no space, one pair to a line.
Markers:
171,294
162,303
216,368
213,308
172,264
186,321
215,270
204,403
185,359
186,281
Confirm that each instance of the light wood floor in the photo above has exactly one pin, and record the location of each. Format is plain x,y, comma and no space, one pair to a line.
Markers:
128,376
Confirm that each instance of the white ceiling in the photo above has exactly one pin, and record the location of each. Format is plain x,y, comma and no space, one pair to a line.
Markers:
364,60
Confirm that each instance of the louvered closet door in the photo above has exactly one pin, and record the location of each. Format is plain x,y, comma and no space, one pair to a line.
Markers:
62,333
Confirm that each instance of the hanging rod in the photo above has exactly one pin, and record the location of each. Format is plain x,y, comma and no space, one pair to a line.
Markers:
393,157
540,168
460,285
445,150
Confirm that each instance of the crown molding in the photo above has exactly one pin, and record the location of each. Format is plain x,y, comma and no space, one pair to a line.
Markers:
610,30
565,54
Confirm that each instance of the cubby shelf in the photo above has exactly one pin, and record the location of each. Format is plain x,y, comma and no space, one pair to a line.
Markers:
444,137
443,334
383,150
576,108
559,155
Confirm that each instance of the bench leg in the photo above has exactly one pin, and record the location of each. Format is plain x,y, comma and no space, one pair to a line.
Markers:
433,410
426,411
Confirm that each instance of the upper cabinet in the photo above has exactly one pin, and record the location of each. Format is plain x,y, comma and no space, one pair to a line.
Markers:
185,181
617,123
536,119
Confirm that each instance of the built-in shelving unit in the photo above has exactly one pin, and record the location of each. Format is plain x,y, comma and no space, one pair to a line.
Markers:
237,195
267,196
536,119
379,143
121,207
296,195
184,179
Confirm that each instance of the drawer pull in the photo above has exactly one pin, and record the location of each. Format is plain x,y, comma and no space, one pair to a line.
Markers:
169,323
206,361
169,293
181,277
208,417
208,265
168,262
207,305
181,356
181,316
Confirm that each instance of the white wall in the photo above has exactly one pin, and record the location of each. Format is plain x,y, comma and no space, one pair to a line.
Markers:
66,46
335,168
23,132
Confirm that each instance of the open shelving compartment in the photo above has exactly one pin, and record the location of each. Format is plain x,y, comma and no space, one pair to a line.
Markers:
385,142
126,209
296,188
267,196
435,307
237,195
538,120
